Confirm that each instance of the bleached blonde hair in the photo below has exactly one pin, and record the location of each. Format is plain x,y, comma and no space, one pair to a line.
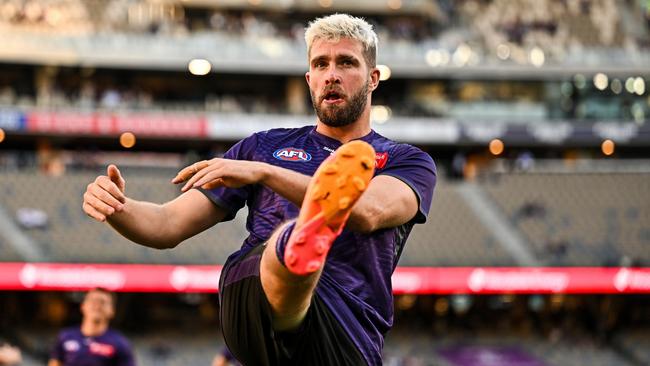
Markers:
336,26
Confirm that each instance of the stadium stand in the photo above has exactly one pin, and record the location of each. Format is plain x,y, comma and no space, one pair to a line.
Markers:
422,348
605,33
564,223
70,236
452,236
578,219
161,349
556,27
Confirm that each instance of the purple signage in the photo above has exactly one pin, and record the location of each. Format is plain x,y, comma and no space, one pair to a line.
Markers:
466,355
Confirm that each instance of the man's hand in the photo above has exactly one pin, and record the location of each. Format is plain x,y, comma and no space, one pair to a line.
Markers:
209,174
105,195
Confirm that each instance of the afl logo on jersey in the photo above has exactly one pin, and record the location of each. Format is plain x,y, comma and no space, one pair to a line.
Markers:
292,154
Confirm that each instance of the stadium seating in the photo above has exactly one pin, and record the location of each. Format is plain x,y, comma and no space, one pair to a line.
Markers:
568,219
167,349
452,236
71,236
557,27
418,347
578,219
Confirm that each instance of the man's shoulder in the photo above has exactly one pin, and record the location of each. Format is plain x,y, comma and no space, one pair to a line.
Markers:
390,154
385,144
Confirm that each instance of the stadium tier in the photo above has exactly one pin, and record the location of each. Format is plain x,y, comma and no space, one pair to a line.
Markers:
578,219
426,350
65,234
566,219
474,61
453,236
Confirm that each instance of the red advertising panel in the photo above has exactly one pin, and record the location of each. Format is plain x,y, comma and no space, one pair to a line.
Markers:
521,280
116,277
406,280
140,123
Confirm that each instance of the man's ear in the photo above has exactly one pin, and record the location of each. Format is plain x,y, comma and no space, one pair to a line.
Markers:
307,77
374,78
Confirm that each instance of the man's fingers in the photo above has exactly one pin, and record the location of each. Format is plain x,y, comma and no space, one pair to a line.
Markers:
214,175
191,181
105,195
200,174
116,177
99,205
100,189
113,195
213,184
183,175
187,172
90,211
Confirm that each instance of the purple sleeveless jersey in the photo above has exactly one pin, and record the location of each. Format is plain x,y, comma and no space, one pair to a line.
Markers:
356,280
72,348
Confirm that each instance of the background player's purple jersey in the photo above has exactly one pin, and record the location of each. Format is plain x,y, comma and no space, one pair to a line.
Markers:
356,280
72,348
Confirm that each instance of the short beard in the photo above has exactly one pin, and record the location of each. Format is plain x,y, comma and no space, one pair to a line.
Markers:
335,116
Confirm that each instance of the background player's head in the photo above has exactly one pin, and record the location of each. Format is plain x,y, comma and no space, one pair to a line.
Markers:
342,54
98,305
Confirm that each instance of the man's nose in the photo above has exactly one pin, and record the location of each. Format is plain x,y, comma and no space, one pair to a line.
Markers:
333,76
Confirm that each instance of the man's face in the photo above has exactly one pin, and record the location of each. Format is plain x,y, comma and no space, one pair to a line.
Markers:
339,81
98,305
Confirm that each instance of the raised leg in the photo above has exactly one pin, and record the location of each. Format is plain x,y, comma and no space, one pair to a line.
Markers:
295,255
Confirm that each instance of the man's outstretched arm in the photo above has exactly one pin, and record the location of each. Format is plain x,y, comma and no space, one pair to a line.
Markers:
154,225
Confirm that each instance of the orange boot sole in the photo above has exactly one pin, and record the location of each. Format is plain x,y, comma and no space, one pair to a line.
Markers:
332,192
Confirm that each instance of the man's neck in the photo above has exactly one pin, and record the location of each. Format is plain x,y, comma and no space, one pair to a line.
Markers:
344,134
91,328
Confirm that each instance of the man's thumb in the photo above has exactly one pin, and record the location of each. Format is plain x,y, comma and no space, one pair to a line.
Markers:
115,176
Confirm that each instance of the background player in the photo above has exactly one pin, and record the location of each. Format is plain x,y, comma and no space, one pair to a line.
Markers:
93,342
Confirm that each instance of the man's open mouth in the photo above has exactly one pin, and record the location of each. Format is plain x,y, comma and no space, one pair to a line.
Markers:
333,97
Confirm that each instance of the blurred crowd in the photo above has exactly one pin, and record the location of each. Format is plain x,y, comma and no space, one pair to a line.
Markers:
77,17
553,25
510,28
521,31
